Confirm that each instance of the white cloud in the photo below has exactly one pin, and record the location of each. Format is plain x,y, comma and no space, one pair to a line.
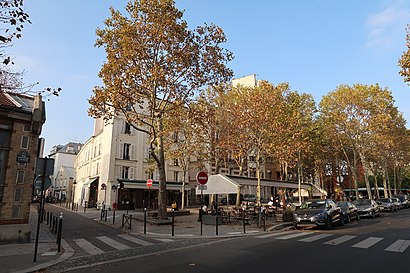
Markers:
387,27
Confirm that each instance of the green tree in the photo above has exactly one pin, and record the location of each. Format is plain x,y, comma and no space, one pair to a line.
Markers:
153,60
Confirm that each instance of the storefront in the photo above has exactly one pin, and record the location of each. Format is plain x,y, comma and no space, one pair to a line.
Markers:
133,193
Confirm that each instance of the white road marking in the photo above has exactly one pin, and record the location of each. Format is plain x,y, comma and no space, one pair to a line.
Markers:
134,240
271,235
368,242
340,240
293,235
315,237
398,246
88,247
113,243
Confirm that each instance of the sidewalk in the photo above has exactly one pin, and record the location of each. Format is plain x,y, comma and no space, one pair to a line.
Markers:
184,225
20,257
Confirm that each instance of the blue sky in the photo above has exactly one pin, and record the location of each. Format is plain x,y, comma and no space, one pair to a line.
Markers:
315,45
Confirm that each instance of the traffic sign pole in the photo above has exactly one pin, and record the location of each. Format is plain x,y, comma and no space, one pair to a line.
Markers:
202,179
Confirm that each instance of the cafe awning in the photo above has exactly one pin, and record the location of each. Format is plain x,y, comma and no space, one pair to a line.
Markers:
89,182
141,184
223,184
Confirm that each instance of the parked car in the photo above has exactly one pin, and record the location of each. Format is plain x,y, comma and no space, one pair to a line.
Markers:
386,204
367,207
51,199
404,199
318,212
397,202
249,197
349,211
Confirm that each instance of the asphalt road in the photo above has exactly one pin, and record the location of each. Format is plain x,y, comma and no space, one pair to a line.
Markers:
369,245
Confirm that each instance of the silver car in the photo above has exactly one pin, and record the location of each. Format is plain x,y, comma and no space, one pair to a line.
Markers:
367,207
318,212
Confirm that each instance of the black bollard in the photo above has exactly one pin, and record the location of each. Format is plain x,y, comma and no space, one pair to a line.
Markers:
113,217
145,220
173,218
243,215
60,227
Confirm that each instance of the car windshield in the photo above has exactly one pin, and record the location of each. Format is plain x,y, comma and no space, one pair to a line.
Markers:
342,204
362,202
400,197
384,200
313,205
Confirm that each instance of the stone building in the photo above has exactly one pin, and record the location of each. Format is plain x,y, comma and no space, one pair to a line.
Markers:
21,121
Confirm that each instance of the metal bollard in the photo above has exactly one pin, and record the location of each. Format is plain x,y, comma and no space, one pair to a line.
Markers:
173,218
113,217
51,219
48,217
145,220
243,215
60,227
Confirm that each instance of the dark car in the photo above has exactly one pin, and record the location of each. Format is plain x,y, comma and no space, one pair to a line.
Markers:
404,199
318,212
249,197
349,211
386,204
367,207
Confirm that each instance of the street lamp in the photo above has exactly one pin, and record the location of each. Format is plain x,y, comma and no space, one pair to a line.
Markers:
73,194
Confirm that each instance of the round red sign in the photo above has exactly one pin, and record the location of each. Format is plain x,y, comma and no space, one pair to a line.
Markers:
202,178
149,183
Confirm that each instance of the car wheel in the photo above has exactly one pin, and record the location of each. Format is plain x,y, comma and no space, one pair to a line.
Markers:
348,218
329,223
342,220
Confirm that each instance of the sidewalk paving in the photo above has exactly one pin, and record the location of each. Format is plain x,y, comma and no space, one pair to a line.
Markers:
20,257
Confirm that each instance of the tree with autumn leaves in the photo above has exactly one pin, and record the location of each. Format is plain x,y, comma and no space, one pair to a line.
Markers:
153,61
363,120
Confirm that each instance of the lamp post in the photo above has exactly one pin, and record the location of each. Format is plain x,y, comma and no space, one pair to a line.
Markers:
73,195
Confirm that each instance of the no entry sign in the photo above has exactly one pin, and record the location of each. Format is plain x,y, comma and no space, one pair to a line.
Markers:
202,178
149,183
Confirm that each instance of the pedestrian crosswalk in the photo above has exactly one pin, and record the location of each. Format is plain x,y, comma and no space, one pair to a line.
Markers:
103,244
398,245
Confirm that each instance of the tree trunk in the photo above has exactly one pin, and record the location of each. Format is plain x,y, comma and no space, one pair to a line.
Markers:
258,175
366,178
162,187
183,190
385,188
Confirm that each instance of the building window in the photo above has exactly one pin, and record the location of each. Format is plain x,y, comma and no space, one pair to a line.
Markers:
125,172
24,142
176,176
251,158
127,128
176,162
15,214
20,177
26,128
17,195
126,151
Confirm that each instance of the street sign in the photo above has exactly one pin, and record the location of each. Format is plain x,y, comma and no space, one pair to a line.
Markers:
40,168
149,183
202,187
39,181
202,178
